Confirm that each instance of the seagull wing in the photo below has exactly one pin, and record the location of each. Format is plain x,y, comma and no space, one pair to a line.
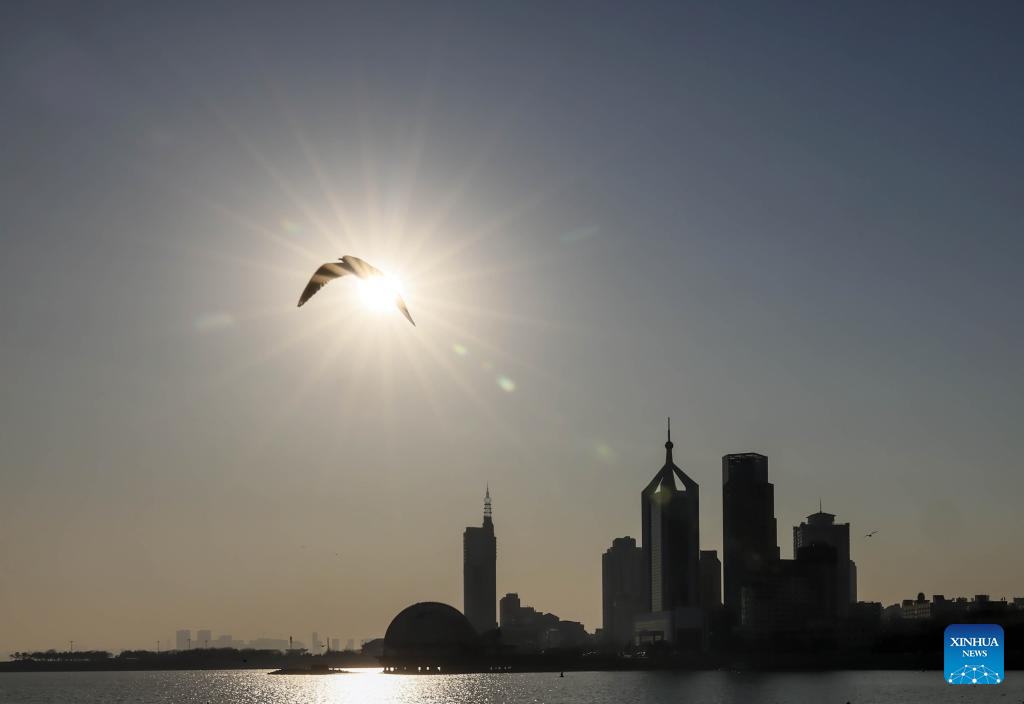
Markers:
347,265
359,267
405,311
322,276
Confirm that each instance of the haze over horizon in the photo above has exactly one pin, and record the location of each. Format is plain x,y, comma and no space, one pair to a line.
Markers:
795,230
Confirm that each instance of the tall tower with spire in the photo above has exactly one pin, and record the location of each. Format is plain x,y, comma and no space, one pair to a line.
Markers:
479,566
670,505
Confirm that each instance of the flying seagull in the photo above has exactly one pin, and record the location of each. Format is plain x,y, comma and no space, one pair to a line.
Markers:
868,535
347,265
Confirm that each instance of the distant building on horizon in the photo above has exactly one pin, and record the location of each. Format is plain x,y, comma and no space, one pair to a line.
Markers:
954,609
821,529
479,566
509,610
670,507
183,639
526,629
623,590
225,640
281,644
203,638
749,529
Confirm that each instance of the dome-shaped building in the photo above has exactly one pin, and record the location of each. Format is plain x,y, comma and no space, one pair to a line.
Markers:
429,637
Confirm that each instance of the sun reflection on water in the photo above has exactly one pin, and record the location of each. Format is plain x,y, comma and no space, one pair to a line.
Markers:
373,687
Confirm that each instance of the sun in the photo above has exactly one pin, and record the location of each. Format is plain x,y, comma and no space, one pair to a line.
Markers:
380,293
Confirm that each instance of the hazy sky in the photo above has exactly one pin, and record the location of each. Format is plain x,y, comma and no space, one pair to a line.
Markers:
794,227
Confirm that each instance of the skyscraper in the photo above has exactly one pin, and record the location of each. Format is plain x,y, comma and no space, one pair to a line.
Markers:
750,543
821,529
182,639
203,638
670,506
710,580
479,563
623,589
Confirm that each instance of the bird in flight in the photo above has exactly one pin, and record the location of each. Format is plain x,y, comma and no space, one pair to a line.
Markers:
868,535
351,265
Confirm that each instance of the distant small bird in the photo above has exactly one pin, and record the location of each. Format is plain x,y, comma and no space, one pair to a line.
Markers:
348,265
868,535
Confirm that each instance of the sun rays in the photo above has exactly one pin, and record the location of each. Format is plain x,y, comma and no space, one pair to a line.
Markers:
418,235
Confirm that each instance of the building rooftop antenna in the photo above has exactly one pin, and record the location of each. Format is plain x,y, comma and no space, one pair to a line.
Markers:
668,444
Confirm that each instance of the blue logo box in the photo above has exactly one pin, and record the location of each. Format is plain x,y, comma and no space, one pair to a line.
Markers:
974,653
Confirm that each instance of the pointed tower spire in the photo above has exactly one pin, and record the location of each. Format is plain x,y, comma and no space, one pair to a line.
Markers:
668,444
487,504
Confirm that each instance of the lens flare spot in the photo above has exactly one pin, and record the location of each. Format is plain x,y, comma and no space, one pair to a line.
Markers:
578,235
506,384
460,349
605,453
211,322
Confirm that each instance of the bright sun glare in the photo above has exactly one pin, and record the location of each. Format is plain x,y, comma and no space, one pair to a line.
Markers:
379,293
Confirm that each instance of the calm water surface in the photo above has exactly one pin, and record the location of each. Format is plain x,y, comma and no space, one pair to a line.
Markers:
370,687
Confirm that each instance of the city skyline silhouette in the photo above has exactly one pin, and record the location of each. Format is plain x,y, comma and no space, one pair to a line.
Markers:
709,599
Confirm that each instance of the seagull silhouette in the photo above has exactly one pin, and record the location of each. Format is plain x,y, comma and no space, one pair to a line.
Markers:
348,265
868,535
